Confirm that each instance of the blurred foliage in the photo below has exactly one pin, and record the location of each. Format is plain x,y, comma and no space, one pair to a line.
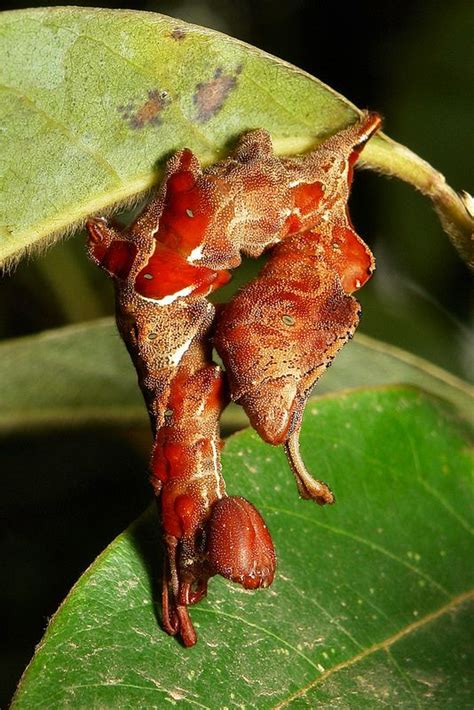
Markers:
408,60
420,296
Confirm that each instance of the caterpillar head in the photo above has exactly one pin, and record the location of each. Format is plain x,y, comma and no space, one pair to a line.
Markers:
108,249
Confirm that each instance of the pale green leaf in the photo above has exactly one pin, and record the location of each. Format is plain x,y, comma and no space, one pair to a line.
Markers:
92,101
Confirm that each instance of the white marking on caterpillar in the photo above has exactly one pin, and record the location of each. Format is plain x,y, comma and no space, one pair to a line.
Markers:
215,457
195,254
166,300
177,356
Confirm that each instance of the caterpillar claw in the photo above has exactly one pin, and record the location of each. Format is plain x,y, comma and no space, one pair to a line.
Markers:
175,598
186,628
175,617
169,618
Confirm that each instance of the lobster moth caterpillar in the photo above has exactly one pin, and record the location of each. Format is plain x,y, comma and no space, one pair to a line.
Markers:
275,337
280,332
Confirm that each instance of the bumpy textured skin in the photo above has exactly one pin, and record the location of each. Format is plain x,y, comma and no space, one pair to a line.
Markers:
234,520
281,331
279,334
179,250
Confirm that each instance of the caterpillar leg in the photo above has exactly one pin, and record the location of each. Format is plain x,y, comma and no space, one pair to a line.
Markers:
238,546
308,487
175,597
168,614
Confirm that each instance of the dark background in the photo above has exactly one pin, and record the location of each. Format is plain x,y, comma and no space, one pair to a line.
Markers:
65,498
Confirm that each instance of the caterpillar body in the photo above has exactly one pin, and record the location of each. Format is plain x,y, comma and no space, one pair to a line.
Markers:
280,332
178,251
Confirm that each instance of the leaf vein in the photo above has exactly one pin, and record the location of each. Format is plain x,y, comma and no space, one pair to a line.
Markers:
72,137
372,545
432,491
318,606
218,612
403,675
384,645
140,69
154,688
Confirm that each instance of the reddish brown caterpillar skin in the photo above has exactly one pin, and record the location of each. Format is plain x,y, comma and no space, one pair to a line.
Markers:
235,519
280,332
177,251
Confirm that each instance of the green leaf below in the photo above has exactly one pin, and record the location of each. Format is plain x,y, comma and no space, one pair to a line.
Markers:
371,600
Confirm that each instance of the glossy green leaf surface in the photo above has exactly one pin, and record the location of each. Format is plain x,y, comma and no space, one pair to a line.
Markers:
92,101
371,600
82,375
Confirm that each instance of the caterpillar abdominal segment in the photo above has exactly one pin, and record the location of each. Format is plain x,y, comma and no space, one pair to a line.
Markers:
167,336
280,332
276,337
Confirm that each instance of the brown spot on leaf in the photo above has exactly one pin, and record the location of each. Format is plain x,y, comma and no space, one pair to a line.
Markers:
211,95
178,34
148,113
